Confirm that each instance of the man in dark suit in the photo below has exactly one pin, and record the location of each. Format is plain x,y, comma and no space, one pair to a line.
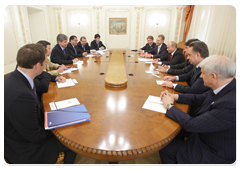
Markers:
25,139
178,69
174,55
73,48
97,44
160,49
149,46
84,47
60,54
198,51
212,128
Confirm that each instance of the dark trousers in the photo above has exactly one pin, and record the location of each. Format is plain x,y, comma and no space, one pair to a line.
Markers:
69,155
168,154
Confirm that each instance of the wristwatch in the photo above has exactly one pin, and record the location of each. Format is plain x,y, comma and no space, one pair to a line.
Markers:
169,105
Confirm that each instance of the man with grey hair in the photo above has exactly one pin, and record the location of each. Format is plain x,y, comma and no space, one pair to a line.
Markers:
213,126
60,53
174,55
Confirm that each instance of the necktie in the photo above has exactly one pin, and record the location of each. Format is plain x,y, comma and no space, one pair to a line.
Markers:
64,52
209,97
171,57
35,92
158,49
84,48
75,50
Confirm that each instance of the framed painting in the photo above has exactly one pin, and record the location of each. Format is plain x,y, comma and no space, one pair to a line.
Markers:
117,26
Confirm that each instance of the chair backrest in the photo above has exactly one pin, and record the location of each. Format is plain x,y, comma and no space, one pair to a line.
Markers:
181,46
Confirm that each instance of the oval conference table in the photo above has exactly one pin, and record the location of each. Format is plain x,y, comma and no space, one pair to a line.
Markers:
119,129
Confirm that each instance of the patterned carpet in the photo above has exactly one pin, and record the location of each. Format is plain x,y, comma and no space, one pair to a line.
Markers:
151,159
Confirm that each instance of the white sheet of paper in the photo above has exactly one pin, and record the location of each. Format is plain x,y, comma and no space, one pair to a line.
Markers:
74,81
67,103
153,103
151,72
65,71
89,55
78,62
52,106
68,82
156,75
144,59
106,50
148,62
160,82
100,52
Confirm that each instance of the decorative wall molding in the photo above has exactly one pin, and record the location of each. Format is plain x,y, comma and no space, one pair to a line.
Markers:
58,11
138,9
98,9
22,24
179,10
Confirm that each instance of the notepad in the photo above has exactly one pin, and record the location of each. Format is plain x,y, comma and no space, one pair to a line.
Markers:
68,83
67,103
154,103
151,72
144,59
65,117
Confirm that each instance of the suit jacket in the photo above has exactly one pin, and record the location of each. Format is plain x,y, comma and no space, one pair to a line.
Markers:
213,127
162,51
87,47
179,69
51,68
177,58
72,51
25,140
95,46
58,56
147,47
195,83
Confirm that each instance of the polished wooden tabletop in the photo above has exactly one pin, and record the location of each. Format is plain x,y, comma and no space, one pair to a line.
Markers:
120,129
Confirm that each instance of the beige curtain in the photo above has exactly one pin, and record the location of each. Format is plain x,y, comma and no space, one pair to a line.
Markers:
216,26
188,19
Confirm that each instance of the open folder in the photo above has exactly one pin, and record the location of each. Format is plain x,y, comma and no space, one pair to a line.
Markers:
65,117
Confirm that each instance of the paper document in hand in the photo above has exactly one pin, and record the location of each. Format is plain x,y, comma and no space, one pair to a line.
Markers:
65,71
79,62
160,82
151,72
106,50
68,82
67,103
154,103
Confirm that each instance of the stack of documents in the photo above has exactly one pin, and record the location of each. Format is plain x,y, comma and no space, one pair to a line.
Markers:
64,103
154,103
65,117
68,82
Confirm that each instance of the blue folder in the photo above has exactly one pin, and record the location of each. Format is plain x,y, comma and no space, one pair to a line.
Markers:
65,117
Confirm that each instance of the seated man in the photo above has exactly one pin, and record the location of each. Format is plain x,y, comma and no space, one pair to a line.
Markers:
178,69
198,51
25,139
52,68
83,46
160,49
212,128
73,48
174,55
60,54
149,46
97,44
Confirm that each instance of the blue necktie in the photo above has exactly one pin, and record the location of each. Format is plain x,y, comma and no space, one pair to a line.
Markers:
209,97
84,48
75,50
64,52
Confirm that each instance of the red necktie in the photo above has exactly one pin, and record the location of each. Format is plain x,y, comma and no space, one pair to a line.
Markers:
171,57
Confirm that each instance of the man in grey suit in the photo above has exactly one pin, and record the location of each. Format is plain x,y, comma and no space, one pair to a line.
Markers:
212,128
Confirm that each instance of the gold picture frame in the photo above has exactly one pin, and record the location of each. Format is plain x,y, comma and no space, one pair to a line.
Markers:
117,26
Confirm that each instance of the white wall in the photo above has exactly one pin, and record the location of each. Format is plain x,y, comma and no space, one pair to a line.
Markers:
29,24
